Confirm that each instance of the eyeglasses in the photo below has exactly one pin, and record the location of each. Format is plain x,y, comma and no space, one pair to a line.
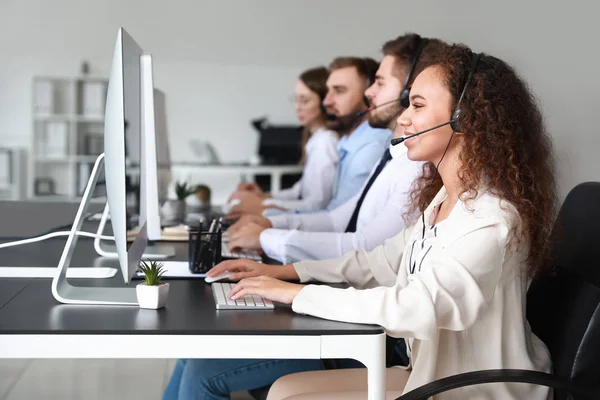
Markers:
302,101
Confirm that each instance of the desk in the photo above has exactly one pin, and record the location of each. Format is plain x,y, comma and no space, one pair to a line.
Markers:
34,325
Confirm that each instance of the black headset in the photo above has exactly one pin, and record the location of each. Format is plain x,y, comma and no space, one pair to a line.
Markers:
454,121
405,94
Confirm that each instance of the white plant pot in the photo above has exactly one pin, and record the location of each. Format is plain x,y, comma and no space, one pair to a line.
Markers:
153,297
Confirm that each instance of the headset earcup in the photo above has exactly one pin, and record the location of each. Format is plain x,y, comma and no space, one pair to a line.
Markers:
454,124
404,98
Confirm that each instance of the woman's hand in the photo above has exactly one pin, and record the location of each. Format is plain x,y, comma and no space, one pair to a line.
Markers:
249,219
249,204
267,288
250,187
248,237
243,268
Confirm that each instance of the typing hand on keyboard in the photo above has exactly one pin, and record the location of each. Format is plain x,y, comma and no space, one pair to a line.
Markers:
226,252
268,288
247,237
248,219
221,293
243,268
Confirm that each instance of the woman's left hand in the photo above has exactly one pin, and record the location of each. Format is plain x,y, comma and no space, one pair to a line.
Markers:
267,288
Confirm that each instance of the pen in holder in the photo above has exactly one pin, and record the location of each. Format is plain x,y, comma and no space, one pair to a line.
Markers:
204,249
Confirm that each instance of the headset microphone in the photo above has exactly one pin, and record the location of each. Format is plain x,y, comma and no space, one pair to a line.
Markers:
403,138
360,114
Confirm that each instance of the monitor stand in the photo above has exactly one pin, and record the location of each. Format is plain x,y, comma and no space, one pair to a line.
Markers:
152,252
64,291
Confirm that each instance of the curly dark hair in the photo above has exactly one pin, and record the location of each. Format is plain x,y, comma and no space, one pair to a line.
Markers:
506,146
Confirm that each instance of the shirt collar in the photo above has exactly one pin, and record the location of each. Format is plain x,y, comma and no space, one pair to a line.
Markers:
398,151
437,200
362,135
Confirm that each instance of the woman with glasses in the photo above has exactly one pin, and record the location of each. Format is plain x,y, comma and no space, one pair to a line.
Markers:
319,154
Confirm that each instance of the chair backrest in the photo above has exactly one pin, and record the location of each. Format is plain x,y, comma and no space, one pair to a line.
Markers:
563,304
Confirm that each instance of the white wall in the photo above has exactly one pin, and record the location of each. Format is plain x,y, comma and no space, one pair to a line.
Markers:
221,63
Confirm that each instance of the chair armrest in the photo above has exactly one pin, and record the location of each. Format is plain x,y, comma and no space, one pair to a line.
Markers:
497,375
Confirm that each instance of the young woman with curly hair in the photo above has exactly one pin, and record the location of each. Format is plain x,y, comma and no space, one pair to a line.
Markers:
454,284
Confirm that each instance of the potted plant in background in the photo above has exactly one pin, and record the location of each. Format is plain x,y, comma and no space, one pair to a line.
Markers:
174,209
202,193
152,293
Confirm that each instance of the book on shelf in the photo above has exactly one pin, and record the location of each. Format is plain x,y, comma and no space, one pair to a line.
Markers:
94,98
43,97
4,167
56,144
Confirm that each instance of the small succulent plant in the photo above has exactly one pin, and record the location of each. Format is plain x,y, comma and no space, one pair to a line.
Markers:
182,190
153,272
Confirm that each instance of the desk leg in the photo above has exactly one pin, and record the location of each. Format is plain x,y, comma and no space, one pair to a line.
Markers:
245,177
368,349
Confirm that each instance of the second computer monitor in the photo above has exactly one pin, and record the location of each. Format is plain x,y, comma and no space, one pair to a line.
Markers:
149,204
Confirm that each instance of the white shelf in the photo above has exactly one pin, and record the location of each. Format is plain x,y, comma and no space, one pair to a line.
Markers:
49,160
68,118
82,158
67,79
66,159
67,127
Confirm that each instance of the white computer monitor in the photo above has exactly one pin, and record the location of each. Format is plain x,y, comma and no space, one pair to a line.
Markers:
123,103
149,174
163,153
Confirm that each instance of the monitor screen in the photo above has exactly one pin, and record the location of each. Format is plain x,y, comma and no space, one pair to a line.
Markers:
132,123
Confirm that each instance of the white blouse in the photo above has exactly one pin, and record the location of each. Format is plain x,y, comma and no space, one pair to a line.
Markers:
459,302
315,189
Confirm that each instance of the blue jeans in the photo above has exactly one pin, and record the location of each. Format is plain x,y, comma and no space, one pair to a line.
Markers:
216,379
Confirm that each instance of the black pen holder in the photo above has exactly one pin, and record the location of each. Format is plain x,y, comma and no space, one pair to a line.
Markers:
204,250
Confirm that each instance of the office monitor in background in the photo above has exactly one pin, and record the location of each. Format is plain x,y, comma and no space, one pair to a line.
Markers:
279,144
123,103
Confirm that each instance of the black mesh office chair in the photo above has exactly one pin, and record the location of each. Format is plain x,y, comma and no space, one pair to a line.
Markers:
563,309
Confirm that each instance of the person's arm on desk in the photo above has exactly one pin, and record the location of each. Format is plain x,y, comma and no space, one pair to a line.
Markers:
249,204
359,268
247,220
247,237
250,187
267,287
